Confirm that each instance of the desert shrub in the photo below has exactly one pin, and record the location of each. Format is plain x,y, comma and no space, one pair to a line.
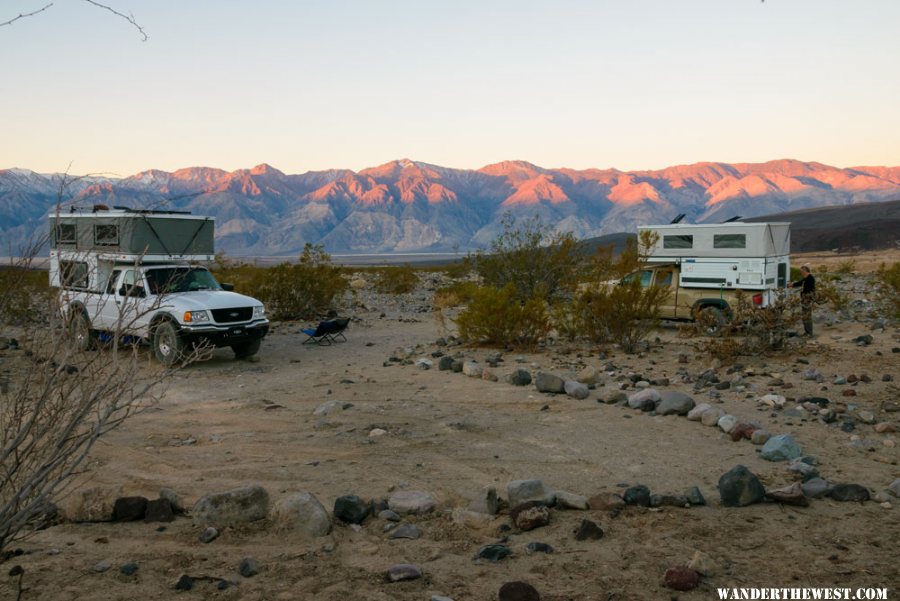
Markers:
396,279
458,269
753,331
619,309
535,260
845,267
795,274
828,293
887,289
302,290
495,316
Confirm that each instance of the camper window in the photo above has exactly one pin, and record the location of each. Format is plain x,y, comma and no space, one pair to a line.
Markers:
106,235
679,241
729,241
65,233
73,274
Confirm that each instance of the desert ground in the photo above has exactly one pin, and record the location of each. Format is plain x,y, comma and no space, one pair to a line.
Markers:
224,424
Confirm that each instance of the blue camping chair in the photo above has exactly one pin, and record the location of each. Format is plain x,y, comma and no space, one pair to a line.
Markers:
327,332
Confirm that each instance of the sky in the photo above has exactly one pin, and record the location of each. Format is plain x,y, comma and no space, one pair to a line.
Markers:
308,85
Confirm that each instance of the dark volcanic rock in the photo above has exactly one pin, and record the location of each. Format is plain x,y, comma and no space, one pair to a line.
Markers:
351,509
129,509
849,492
637,495
681,578
740,487
518,591
588,530
519,377
493,553
403,571
159,510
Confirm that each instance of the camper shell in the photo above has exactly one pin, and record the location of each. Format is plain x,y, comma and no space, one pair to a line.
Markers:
729,256
135,272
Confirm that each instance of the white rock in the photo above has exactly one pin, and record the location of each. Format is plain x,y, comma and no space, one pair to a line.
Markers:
696,414
411,501
727,423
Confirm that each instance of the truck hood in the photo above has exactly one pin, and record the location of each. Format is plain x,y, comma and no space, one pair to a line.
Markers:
208,299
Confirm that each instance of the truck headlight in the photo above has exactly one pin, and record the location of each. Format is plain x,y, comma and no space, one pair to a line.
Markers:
196,316
259,312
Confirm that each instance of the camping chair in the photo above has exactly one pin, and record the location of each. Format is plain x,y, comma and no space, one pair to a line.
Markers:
327,331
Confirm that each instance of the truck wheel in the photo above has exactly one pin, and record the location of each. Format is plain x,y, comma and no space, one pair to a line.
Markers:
247,349
712,320
80,331
167,346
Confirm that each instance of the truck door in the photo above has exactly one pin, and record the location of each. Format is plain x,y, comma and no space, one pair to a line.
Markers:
663,278
131,301
108,305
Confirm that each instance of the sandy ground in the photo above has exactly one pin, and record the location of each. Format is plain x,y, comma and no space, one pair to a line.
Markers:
451,435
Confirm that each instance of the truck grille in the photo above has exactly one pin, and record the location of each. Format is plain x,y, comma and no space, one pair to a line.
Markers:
232,315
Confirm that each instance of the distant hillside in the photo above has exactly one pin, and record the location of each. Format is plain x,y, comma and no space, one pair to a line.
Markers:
409,206
867,226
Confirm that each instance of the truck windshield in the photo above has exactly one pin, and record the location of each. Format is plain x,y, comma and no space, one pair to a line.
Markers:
166,280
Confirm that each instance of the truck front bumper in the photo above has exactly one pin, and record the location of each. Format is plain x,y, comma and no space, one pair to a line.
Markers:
220,335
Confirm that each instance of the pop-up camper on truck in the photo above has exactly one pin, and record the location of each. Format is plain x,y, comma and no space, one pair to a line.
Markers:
706,264
134,272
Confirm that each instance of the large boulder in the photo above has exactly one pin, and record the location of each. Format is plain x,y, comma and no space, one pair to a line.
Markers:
302,512
645,399
551,383
229,508
351,509
411,501
522,491
673,402
740,487
576,390
781,448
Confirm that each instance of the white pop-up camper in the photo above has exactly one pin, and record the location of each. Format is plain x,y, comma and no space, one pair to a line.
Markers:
749,256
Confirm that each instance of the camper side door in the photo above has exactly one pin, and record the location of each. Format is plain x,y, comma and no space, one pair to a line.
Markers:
109,314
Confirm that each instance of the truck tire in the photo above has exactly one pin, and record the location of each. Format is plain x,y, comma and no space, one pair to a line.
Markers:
247,349
168,347
80,330
712,320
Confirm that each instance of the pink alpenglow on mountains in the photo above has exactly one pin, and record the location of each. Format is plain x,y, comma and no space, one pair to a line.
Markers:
405,205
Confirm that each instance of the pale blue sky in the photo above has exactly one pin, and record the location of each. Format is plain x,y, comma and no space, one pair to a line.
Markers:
308,85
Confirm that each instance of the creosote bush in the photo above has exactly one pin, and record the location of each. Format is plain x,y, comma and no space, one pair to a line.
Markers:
24,294
495,316
887,290
396,279
302,290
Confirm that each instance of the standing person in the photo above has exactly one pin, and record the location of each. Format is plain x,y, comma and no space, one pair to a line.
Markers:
807,296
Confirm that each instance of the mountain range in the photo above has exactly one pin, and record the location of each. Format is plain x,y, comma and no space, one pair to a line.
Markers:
409,206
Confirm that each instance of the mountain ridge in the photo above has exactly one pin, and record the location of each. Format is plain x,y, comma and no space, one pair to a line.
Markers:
406,205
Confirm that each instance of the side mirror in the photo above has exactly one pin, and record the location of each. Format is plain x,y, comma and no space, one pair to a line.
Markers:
227,287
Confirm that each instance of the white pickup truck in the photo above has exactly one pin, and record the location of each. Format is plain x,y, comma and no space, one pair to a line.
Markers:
124,272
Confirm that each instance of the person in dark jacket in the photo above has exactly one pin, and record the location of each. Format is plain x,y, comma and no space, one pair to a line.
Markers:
807,297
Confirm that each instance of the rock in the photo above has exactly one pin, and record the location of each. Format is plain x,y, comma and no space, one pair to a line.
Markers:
440,598
424,363
237,506
409,531
249,567
530,515
185,583
589,375
102,566
742,431
606,501
866,417
694,496
159,510
519,377
668,501
849,492
760,437
637,495
798,466
522,491
486,502
129,569
894,487
811,374
696,414
470,519
550,383
739,487
376,432
93,504
674,402
576,390
849,392
129,509
775,401
681,578
645,400
388,515
711,417
703,564
864,340
588,530
472,369
488,375
816,488
445,363
885,427
173,498
411,501
726,423
302,512
536,547
615,396
457,366
357,283
781,448
493,553
329,407
789,495
351,509
568,500
208,535
518,591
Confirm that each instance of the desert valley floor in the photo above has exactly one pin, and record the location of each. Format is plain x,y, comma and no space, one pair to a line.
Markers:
225,423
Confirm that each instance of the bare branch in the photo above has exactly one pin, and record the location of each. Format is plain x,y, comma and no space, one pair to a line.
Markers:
23,15
129,18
